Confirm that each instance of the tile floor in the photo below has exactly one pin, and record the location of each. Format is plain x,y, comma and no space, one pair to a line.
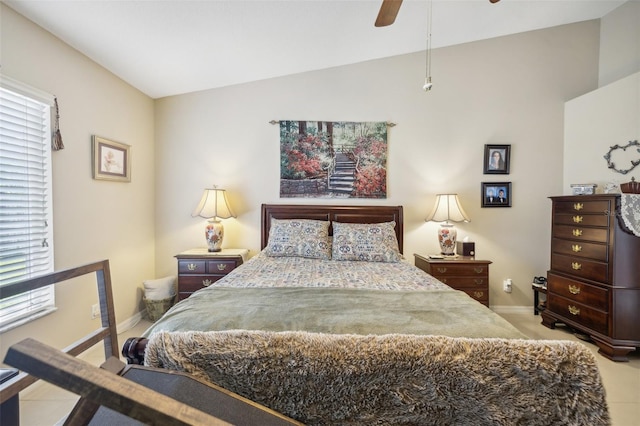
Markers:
44,404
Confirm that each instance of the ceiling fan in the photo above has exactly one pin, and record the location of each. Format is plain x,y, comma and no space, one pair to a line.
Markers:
389,11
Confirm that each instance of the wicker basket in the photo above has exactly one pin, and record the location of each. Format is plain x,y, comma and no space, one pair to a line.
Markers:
157,308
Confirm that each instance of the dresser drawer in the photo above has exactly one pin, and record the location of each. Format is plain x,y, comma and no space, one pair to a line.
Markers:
583,206
586,294
581,314
580,267
601,220
220,266
459,270
581,249
463,283
581,233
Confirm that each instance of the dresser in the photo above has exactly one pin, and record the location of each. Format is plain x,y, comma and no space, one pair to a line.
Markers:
199,268
463,273
594,281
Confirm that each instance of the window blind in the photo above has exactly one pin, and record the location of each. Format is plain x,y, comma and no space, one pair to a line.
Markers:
26,243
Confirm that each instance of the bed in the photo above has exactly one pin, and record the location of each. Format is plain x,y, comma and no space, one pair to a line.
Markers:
329,325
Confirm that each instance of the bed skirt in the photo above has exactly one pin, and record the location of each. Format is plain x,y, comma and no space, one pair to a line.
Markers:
398,379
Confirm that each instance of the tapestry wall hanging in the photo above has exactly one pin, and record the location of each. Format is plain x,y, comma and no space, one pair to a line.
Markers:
333,159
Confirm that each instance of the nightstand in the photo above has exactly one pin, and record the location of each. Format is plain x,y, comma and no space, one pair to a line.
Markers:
463,273
199,268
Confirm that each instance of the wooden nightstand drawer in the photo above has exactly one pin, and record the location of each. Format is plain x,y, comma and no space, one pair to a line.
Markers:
466,282
198,268
220,266
443,270
192,266
593,296
581,314
462,273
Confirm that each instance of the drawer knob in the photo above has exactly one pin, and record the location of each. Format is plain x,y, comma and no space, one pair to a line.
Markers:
576,266
222,266
478,269
574,289
478,294
577,232
578,219
192,266
207,283
442,270
576,248
444,280
578,206
573,310
478,281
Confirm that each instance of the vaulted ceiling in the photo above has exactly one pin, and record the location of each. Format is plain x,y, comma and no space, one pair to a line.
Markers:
171,47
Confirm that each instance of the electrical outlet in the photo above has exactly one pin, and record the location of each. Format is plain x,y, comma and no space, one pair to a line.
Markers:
506,285
95,311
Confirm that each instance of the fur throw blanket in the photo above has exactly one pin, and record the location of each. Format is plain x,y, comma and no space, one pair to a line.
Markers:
322,379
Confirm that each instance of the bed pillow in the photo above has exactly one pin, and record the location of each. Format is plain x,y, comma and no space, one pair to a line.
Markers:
375,242
299,238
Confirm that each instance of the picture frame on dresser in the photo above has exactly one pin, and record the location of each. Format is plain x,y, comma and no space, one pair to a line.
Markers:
496,194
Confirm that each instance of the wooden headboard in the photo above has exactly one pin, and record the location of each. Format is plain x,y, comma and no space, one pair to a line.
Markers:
350,214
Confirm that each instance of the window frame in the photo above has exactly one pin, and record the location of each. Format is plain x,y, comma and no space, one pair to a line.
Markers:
27,309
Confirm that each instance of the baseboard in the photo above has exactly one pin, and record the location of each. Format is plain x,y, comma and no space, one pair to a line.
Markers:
129,323
508,309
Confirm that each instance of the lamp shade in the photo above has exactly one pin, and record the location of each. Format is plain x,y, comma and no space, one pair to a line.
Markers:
214,204
447,208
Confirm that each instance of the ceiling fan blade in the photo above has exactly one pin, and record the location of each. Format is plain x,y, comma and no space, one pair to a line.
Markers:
388,12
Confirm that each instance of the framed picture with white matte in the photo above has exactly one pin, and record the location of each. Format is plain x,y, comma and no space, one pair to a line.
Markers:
111,160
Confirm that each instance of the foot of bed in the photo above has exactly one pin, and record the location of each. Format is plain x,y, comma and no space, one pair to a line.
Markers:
133,350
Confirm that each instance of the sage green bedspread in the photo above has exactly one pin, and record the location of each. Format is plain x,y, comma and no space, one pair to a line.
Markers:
337,311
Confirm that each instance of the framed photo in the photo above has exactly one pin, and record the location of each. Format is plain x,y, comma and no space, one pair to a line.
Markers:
111,160
497,159
496,194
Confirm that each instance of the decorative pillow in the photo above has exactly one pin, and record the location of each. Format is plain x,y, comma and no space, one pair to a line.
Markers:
299,238
159,289
375,242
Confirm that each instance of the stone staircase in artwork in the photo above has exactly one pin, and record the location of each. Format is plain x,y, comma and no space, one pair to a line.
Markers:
343,177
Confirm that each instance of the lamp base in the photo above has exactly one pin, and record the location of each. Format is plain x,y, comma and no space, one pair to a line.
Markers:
214,232
447,238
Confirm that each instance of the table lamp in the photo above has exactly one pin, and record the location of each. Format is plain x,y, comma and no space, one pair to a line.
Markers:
214,206
447,209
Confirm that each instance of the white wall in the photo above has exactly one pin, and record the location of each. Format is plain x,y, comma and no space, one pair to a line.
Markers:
609,115
508,90
93,220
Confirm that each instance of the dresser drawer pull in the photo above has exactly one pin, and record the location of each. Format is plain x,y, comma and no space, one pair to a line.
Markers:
577,219
573,310
442,270
578,206
577,232
192,266
574,289
478,281
222,266
207,283
478,294
576,248
444,280
576,266
478,269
